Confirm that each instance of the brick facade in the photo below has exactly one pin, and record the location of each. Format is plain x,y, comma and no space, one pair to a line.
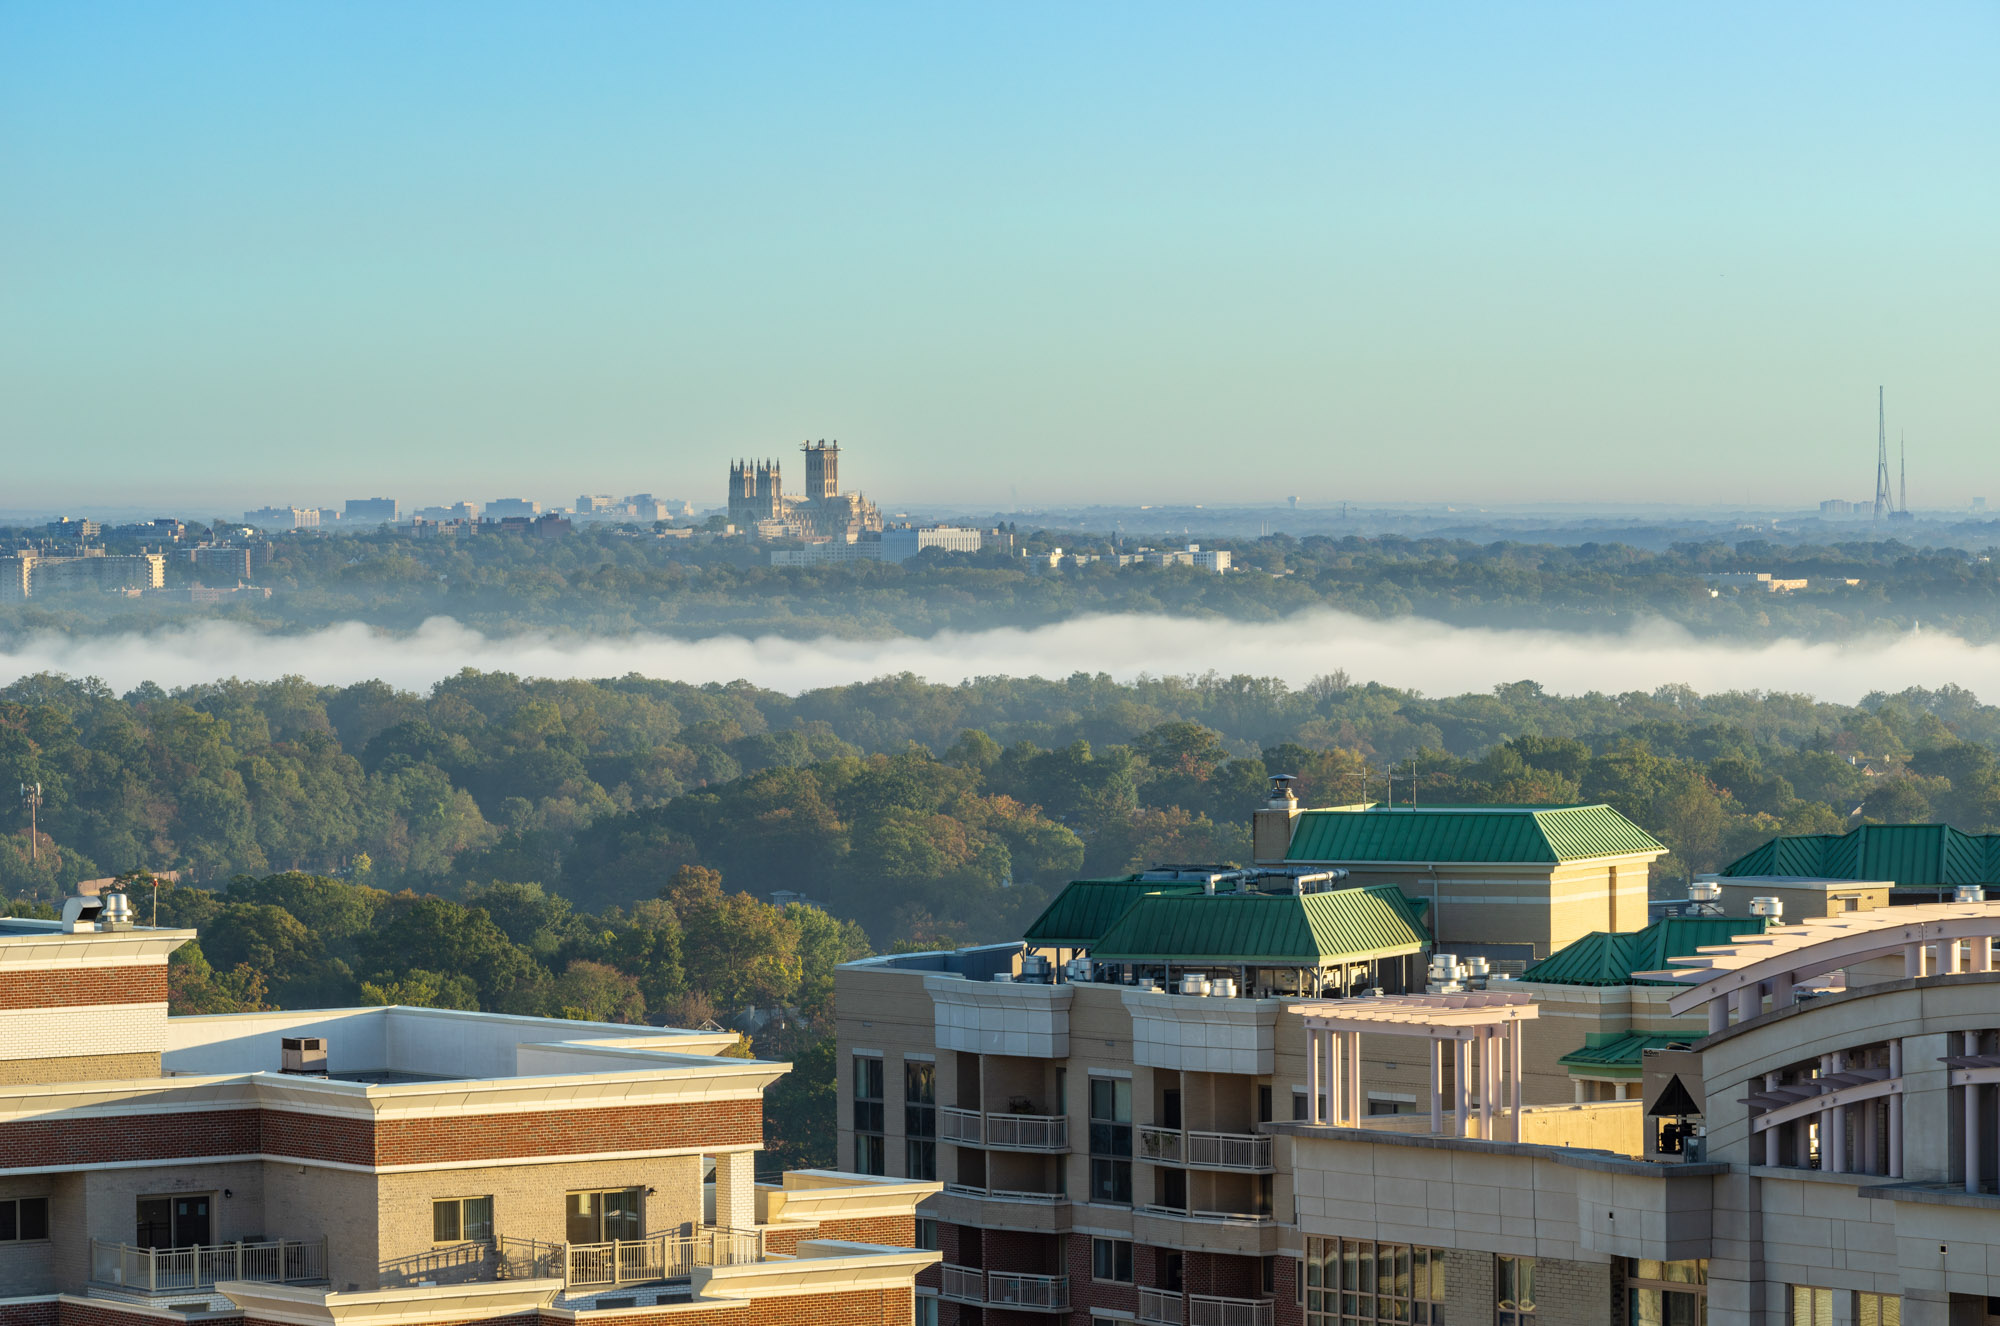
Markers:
78,986
42,1143
39,1313
890,1231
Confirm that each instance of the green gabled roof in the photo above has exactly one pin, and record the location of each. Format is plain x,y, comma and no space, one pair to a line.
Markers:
1085,909
1912,855
1622,1052
1278,930
1609,958
1468,833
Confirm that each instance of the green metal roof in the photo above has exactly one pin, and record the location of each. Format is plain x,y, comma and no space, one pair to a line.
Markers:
1084,910
1912,855
1618,1054
1278,930
1468,833
1609,958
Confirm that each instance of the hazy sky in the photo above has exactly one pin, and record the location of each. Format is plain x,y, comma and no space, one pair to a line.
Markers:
1112,251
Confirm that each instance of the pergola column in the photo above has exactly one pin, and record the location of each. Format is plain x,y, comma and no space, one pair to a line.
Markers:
1336,1098
1913,960
1718,1014
1825,1116
1771,1134
1948,950
1896,1112
1354,1079
1514,1072
1315,1046
1461,1086
1486,1084
1971,1121
1982,953
1838,1117
1437,1085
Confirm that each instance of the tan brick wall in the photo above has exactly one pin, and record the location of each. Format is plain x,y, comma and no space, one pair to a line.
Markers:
1573,1293
79,1068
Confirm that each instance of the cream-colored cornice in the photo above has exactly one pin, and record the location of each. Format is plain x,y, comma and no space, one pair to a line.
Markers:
111,948
299,1306
823,1266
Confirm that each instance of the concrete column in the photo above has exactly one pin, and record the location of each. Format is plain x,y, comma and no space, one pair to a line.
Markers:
1825,1117
1973,1121
1913,960
1718,1014
1771,1135
1486,1084
1782,993
1577,1082
1514,1073
1437,1085
1749,1002
1895,1129
736,1190
1313,1050
1838,1115
1949,950
1336,1097
1354,1108
1461,1066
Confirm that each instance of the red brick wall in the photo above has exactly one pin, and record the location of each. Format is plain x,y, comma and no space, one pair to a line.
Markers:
78,1314
1222,1274
569,1132
393,1142
1022,1252
29,1314
858,1307
893,1231
1085,1295
1288,1312
83,986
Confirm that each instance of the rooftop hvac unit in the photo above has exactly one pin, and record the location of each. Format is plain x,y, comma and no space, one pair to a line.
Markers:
1223,987
1771,907
79,916
116,913
1194,983
1077,969
1477,968
1035,967
1004,977
1706,890
1968,893
304,1055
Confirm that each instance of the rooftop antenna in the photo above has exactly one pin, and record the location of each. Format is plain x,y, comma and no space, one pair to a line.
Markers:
1903,464
1881,457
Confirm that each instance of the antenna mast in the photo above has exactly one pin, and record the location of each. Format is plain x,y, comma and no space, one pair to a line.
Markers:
1903,464
1881,457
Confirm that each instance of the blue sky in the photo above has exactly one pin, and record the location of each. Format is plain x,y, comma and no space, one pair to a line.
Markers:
1110,252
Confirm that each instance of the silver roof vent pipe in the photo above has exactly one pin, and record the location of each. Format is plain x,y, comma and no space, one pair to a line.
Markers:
116,913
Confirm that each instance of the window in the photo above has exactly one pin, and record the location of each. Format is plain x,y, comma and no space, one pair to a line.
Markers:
1111,1259
462,1220
1811,1306
919,1120
24,1219
1514,1291
927,1311
870,1148
179,1221
1666,1293
1352,1282
1170,1188
602,1217
1264,1103
1111,1140
1878,1310
927,1234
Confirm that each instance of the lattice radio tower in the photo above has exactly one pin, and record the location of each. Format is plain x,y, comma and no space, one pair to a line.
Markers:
1882,497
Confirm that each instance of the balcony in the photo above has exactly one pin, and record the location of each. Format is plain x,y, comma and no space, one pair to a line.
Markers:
1248,1153
1006,1289
199,1266
1004,1194
1004,1132
1209,1310
592,1266
1159,1307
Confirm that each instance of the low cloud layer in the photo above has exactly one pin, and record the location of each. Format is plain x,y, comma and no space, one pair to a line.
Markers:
1426,656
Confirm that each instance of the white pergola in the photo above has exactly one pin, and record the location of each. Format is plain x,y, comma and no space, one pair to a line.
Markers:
1934,939
1492,1018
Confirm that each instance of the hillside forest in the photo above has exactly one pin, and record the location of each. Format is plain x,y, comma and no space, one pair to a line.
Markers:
633,849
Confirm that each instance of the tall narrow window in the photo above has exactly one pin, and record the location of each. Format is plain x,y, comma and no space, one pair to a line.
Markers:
1514,1286
1877,1309
602,1217
1811,1306
1666,1293
1111,1140
919,1120
870,1147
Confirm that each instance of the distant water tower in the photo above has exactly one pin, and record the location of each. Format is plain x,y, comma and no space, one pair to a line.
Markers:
1294,501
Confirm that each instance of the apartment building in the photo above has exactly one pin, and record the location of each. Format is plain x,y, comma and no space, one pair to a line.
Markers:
25,573
397,1165
1824,1153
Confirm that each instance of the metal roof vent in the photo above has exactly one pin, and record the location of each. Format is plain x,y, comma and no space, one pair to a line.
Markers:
1282,796
1771,907
1968,893
116,911
79,916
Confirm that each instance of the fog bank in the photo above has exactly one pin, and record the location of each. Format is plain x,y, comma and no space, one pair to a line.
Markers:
1408,653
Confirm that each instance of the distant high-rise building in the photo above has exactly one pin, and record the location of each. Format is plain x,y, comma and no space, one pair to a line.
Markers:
283,517
822,470
500,508
372,511
62,527
1835,508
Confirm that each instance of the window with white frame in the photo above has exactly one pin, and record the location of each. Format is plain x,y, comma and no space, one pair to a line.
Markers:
24,1219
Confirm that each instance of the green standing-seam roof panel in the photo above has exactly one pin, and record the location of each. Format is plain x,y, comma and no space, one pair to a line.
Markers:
1086,908
1526,834
1281,930
1609,958
1913,856
1626,1051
